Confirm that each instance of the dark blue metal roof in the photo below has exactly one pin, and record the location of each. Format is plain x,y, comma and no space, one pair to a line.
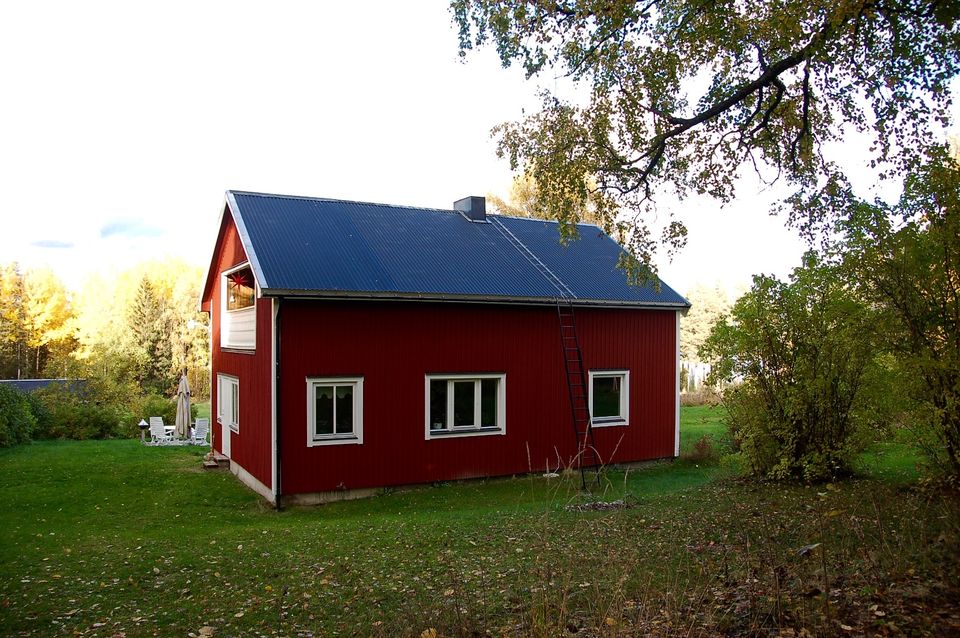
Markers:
30,385
323,247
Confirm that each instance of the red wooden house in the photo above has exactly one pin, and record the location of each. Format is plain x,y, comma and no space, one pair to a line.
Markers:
357,346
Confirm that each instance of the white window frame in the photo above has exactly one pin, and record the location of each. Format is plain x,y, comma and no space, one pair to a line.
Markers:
231,420
226,287
356,437
249,311
624,417
453,432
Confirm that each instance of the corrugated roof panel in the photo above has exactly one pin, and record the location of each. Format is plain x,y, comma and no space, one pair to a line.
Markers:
304,245
588,265
329,245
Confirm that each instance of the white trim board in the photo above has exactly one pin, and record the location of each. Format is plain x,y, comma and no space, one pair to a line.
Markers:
274,451
676,431
252,482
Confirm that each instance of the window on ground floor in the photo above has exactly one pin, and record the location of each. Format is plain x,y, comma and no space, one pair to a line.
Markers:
228,401
334,410
465,404
609,397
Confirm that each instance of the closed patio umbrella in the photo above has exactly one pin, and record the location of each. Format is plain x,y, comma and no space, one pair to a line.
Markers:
183,409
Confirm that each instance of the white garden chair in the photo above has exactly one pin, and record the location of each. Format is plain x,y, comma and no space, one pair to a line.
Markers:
158,432
200,432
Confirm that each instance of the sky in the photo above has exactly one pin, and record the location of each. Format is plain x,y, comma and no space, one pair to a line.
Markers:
123,123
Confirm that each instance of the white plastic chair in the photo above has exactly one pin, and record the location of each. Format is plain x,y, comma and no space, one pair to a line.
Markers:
200,432
158,432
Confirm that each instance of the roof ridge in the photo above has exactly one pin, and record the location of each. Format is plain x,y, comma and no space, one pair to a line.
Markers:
538,219
340,201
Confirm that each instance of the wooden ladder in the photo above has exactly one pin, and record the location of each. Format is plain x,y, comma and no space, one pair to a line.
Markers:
587,458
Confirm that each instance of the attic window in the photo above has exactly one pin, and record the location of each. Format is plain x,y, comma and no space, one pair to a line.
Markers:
240,293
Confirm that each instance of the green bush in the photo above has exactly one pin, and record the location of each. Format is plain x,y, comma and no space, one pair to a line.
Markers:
805,354
39,411
77,417
17,422
97,409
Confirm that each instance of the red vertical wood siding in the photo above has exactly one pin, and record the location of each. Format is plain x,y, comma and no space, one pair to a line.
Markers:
251,447
394,344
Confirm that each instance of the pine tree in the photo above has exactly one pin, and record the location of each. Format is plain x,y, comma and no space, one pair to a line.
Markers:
151,343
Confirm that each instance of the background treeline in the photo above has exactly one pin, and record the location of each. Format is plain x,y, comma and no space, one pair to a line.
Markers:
124,340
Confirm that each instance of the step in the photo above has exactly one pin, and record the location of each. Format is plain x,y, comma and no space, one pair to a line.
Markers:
215,460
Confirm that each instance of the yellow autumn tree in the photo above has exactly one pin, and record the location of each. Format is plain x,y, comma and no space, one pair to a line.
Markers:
143,324
11,322
46,319
525,200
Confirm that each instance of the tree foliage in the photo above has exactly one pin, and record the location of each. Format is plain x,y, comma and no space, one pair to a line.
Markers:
684,94
35,312
128,338
905,259
144,326
17,421
708,305
150,347
806,357
525,201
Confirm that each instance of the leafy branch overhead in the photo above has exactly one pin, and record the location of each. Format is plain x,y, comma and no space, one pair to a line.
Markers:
685,94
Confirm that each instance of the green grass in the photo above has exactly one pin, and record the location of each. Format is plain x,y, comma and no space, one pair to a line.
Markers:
702,420
203,409
144,542
893,458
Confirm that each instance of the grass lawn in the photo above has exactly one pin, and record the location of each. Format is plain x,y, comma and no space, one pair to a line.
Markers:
111,538
701,421
203,409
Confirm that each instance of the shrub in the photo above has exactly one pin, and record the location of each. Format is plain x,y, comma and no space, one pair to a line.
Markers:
39,411
84,409
806,353
77,417
98,409
16,419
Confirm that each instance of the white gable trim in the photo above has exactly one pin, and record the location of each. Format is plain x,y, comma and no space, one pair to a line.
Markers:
245,241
